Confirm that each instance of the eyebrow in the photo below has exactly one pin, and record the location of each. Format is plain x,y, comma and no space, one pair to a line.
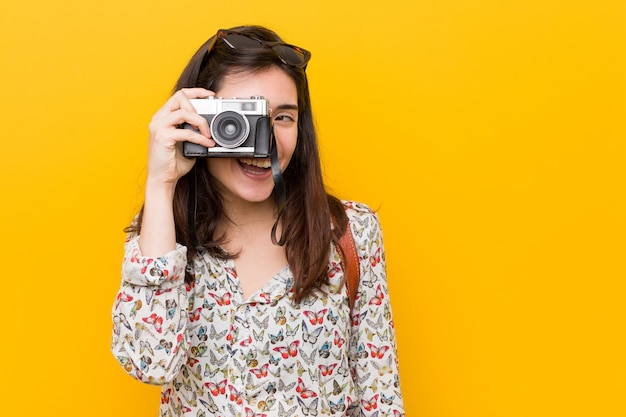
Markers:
286,107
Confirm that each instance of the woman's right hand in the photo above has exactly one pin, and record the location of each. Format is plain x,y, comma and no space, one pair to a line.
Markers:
166,162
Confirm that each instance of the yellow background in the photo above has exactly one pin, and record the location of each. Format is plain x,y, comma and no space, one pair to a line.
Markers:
490,134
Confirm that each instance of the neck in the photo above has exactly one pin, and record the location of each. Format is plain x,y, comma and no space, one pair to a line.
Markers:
248,218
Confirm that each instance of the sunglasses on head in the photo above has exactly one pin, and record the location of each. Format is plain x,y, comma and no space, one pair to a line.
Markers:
290,55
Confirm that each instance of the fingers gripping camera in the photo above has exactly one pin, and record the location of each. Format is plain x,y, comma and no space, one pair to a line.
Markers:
239,127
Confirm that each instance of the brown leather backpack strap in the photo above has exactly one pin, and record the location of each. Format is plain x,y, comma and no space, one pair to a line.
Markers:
350,264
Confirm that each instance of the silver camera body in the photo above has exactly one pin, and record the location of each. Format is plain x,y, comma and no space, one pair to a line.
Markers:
240,127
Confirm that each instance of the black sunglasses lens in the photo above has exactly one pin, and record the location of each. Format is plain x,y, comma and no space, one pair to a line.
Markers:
235,41
289,54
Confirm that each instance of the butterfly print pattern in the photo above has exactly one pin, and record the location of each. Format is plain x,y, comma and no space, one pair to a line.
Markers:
217,354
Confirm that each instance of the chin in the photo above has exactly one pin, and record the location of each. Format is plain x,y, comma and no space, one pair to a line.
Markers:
256,197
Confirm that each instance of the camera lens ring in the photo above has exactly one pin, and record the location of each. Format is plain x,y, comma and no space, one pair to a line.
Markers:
230,128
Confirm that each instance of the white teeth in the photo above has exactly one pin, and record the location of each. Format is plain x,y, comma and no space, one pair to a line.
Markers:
261,163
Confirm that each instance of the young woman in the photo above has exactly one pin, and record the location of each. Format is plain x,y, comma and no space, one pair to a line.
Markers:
233,293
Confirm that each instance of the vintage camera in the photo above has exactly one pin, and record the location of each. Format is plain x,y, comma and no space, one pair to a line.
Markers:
240,127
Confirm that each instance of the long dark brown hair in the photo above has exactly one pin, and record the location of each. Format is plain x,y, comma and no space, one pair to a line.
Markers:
307,214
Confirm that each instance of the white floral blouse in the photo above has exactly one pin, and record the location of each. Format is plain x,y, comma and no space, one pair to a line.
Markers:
218,354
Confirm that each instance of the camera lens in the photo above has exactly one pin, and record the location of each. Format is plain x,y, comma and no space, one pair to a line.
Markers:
230,129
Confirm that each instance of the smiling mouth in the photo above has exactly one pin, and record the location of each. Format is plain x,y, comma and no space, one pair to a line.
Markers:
254,165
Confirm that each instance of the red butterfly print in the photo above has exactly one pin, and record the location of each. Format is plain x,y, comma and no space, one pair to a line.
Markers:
378,298
195,315
316,318
260,372
339,341
216,389
165,396
155,320
235,395
246,342
356,319
224,300
122,297
327,370
371,404
375,259
303,391
146,265
378,352
232,331
333,269
287,351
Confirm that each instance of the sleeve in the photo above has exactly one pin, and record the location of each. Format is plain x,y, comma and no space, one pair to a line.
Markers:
150,314
374,360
